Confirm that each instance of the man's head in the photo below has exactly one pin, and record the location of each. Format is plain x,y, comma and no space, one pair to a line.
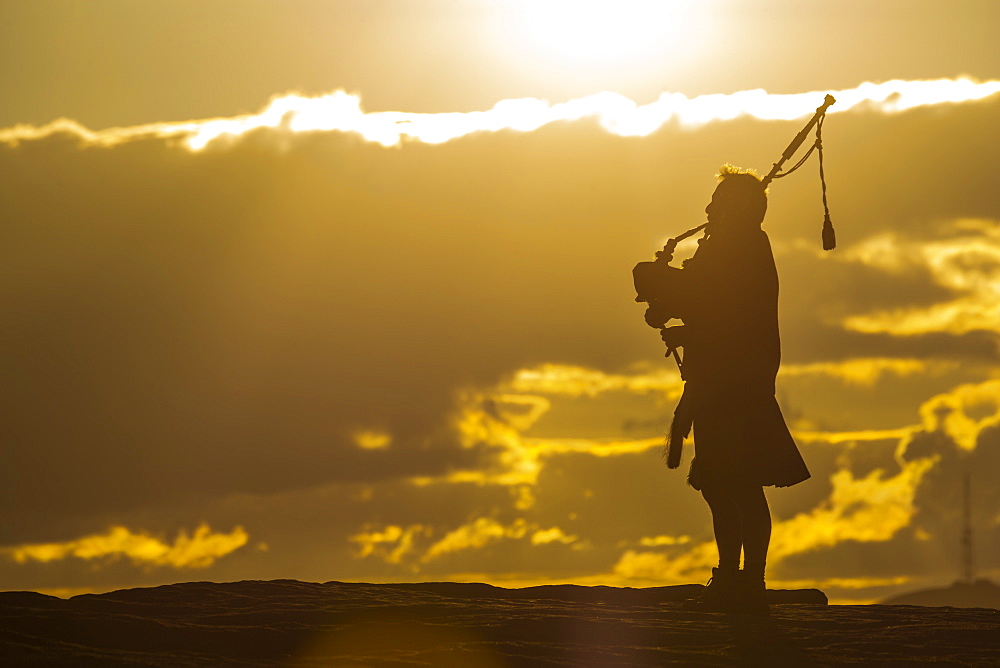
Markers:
739,201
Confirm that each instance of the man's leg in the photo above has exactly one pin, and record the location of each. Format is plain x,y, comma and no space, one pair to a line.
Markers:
755,524
722,592
726,521
755,529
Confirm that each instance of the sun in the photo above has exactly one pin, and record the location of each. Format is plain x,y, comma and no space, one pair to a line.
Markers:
605,32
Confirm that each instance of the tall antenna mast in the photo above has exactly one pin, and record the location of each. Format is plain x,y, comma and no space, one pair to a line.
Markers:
967,560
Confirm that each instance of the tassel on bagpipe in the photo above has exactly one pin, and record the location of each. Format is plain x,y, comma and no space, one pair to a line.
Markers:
680,428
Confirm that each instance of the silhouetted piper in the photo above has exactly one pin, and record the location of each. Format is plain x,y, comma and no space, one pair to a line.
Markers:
727,297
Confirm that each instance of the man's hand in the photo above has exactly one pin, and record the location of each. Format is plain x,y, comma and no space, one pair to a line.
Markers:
674,337
657,316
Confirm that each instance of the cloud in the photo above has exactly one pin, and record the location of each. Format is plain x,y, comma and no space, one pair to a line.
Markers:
340,111
860,371
657,541
922,293
967,264
839,437
867,505
391,544
552,535
394,544
372,439
870,499
475,535
870,509
498,419
645,566
575,381
198,550
964,412
872,506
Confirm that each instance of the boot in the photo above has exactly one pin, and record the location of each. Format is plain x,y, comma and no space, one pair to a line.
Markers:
721,593
751,594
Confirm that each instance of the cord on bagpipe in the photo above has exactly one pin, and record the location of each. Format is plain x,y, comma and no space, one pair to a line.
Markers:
829,235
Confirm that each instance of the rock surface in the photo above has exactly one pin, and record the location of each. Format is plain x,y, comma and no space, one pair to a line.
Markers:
291,623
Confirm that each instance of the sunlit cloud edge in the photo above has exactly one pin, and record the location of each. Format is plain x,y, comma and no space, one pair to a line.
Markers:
341,111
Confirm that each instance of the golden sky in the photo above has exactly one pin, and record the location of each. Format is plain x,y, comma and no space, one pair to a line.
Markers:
342,291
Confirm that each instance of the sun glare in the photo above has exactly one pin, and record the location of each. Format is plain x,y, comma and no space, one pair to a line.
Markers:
604,32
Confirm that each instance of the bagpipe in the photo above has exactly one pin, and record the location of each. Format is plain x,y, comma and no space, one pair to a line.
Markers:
657,282
653,279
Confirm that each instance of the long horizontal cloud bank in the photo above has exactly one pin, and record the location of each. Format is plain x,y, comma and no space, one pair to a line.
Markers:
342,112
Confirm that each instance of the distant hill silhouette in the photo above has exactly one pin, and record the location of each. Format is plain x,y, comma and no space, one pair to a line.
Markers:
978,594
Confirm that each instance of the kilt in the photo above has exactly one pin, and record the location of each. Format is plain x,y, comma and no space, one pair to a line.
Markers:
743,439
